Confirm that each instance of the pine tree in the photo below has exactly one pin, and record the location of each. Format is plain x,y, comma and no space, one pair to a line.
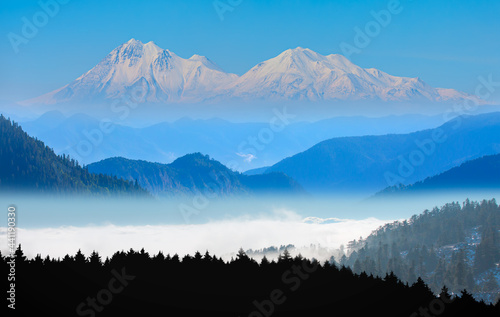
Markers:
445,294
19,255
486,251
439,272
80,258
207,257
95,259
241,255
264,261
285,257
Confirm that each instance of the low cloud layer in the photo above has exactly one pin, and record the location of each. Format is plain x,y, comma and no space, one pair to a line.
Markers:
221,238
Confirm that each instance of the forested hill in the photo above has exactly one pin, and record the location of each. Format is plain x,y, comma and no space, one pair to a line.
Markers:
457,246
193,173
28,165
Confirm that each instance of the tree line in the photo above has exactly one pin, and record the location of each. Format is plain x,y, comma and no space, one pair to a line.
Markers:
135,283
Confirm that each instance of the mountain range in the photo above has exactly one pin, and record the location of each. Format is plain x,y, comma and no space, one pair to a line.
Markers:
29,165
192,174
356,164
147,73
371,163
227,142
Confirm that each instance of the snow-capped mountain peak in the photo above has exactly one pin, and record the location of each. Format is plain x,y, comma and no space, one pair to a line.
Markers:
160,74
302,74
295,74
206,62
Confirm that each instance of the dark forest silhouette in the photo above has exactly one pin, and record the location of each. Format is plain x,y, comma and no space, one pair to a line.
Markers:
136,284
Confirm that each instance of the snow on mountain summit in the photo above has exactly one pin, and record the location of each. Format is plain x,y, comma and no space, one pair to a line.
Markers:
302,74
295,74
158,75
205,61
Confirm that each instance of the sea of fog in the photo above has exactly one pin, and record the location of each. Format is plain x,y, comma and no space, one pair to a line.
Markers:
59,226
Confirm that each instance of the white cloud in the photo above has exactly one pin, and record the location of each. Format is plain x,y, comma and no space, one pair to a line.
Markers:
219,237
247,157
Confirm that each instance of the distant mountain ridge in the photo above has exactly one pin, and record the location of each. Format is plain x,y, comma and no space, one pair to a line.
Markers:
192,174
367,164
163,142
482,173
151,74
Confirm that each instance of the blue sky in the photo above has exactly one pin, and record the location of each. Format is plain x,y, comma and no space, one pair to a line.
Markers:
446,43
